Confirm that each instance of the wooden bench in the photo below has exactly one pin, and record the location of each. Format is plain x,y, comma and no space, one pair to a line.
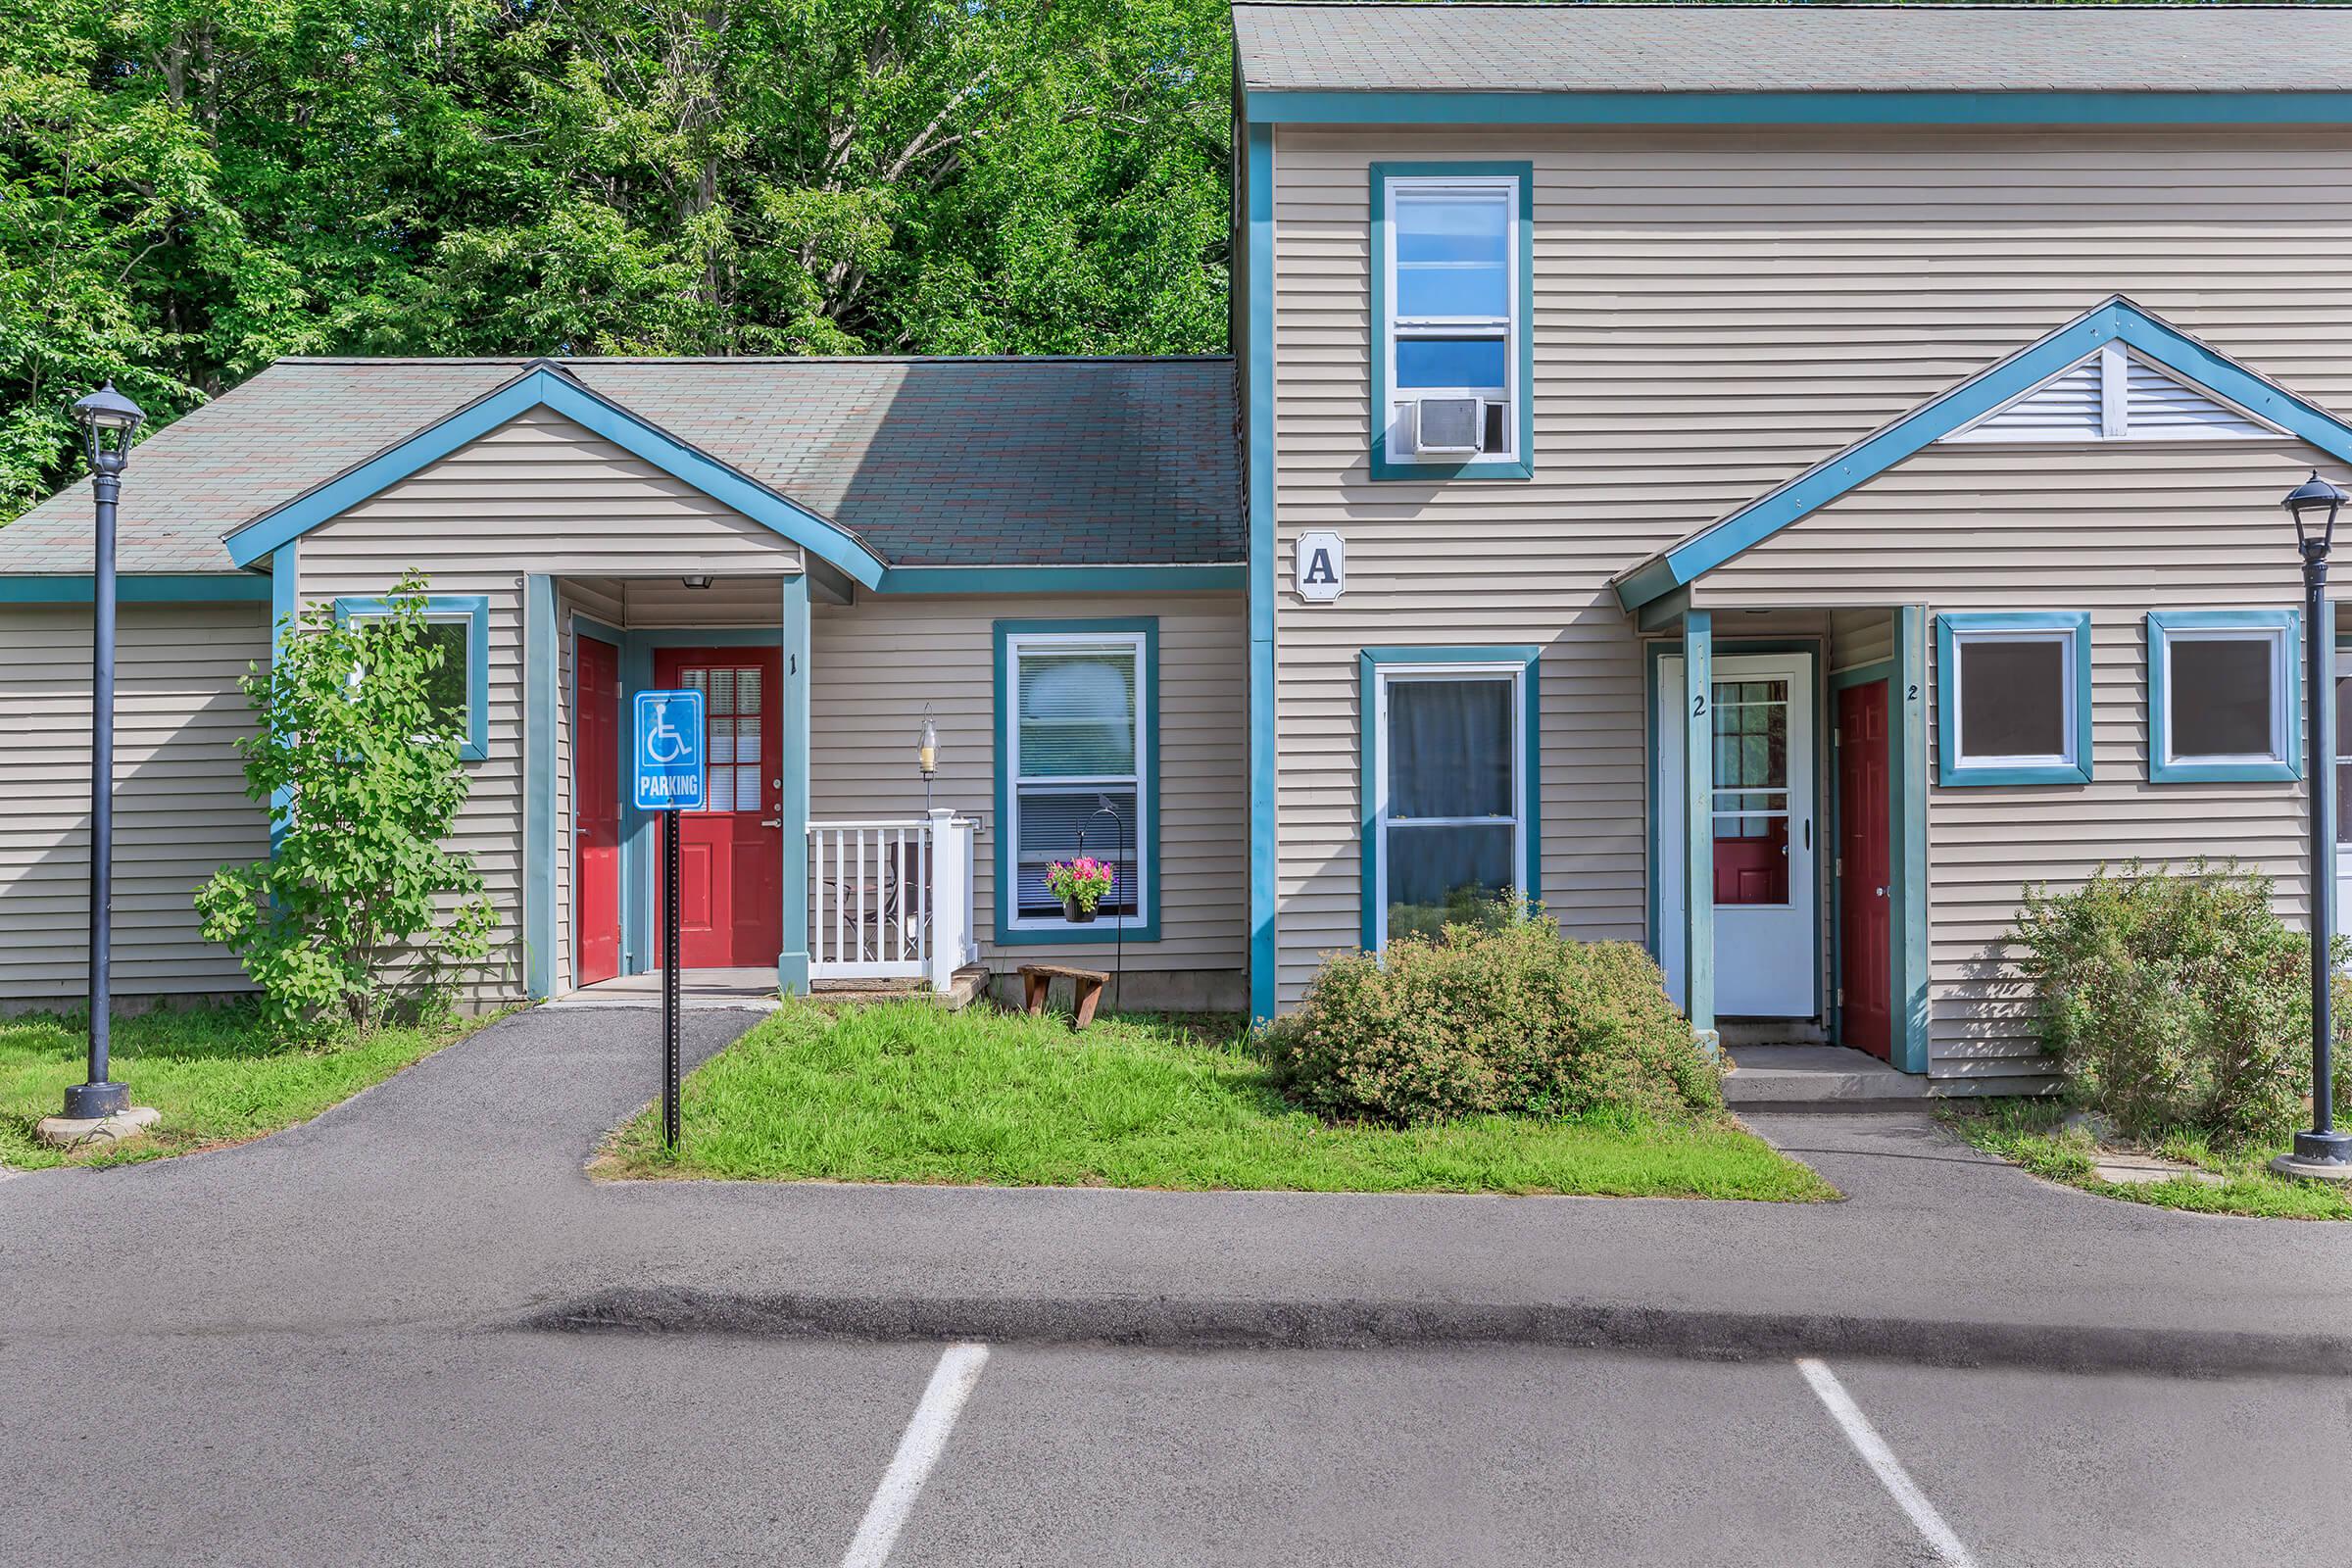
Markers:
1086,987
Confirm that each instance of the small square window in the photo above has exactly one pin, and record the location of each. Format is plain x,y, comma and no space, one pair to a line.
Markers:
459,624
2012,699
2222,696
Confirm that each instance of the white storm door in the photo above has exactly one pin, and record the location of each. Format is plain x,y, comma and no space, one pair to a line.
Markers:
1767,923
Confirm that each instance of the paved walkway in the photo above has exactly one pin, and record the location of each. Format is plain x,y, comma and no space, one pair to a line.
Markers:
453,1195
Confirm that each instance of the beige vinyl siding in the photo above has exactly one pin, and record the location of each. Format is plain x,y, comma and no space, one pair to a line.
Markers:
1715,311
538,495
876,665
180,811
1860,637
2117,529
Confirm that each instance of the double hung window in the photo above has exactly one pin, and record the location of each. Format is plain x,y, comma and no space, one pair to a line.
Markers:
1078,770
1448,791
1451,368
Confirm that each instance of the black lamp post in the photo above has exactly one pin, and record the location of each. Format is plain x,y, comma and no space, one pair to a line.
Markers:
109,421
2322,1152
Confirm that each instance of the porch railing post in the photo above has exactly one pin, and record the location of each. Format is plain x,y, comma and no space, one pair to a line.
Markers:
951,898
1699,824
792,962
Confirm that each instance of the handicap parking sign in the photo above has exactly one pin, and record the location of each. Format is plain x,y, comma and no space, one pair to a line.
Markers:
669,750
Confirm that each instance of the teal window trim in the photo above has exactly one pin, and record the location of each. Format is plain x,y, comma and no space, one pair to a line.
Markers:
537,386
1524,660
474,611
2114,321
2288,626
1342,107
1522,415
1009,931
1952,769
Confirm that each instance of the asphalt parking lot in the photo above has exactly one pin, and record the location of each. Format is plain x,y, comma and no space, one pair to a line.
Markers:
411,1445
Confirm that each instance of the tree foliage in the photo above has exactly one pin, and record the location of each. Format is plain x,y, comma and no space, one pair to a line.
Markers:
191,188
357,765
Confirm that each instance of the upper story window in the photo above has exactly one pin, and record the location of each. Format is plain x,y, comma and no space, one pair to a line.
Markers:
1451,306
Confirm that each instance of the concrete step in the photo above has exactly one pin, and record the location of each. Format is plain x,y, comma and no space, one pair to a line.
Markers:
1817,1075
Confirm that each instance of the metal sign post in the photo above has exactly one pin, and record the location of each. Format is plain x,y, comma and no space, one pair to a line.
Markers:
670,779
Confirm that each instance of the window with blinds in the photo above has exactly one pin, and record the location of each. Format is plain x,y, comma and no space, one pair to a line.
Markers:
731,708
1077,766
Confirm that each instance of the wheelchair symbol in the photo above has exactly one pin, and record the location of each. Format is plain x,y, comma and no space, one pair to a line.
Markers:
664,743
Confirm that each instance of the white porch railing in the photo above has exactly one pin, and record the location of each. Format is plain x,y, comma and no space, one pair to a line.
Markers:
890,898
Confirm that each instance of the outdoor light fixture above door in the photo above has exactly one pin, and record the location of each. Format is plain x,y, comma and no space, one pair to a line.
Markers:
698,581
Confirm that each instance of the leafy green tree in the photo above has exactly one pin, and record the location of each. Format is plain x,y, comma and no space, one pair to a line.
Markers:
357,765
191,188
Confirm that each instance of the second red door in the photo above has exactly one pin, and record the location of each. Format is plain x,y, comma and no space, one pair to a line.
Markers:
1865,966
731,852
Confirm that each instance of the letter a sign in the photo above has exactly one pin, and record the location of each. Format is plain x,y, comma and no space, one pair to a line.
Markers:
1319,570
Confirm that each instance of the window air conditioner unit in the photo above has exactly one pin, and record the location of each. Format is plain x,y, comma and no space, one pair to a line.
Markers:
1448,425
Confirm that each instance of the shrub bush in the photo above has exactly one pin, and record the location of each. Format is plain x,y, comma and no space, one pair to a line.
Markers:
1503,1014
2175,1000
360,907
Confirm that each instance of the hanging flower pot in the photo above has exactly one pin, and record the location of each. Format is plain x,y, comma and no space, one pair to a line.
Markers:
1081,885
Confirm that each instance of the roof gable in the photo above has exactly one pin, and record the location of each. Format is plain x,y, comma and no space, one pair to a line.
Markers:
2113,394
543,385
2116,321
937,465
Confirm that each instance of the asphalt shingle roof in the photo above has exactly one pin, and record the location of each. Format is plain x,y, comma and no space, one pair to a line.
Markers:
931,461
1525,47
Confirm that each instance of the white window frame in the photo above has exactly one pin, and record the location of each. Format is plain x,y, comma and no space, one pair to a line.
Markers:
1387,674
1138,897
2166,763
1505,328
2064,641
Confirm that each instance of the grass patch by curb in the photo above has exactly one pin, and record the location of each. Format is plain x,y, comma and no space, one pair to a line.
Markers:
906,1093
2031,1134
214,1072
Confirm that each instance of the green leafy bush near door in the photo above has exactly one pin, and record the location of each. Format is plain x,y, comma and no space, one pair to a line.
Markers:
361,907
1502,1014
2176,1000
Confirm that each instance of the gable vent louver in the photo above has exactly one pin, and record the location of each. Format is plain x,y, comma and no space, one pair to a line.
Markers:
2114,395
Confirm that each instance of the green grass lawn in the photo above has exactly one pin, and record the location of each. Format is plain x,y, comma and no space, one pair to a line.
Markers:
904,1093
2030,1134
214,1073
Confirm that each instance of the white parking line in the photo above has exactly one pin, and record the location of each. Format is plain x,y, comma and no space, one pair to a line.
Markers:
952,1383
1882,1460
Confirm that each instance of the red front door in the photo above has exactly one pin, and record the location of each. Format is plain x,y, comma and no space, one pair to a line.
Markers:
596,809
1865,907
731,855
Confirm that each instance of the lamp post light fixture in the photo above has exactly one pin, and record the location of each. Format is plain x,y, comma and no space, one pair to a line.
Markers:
109,421
2322,1152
